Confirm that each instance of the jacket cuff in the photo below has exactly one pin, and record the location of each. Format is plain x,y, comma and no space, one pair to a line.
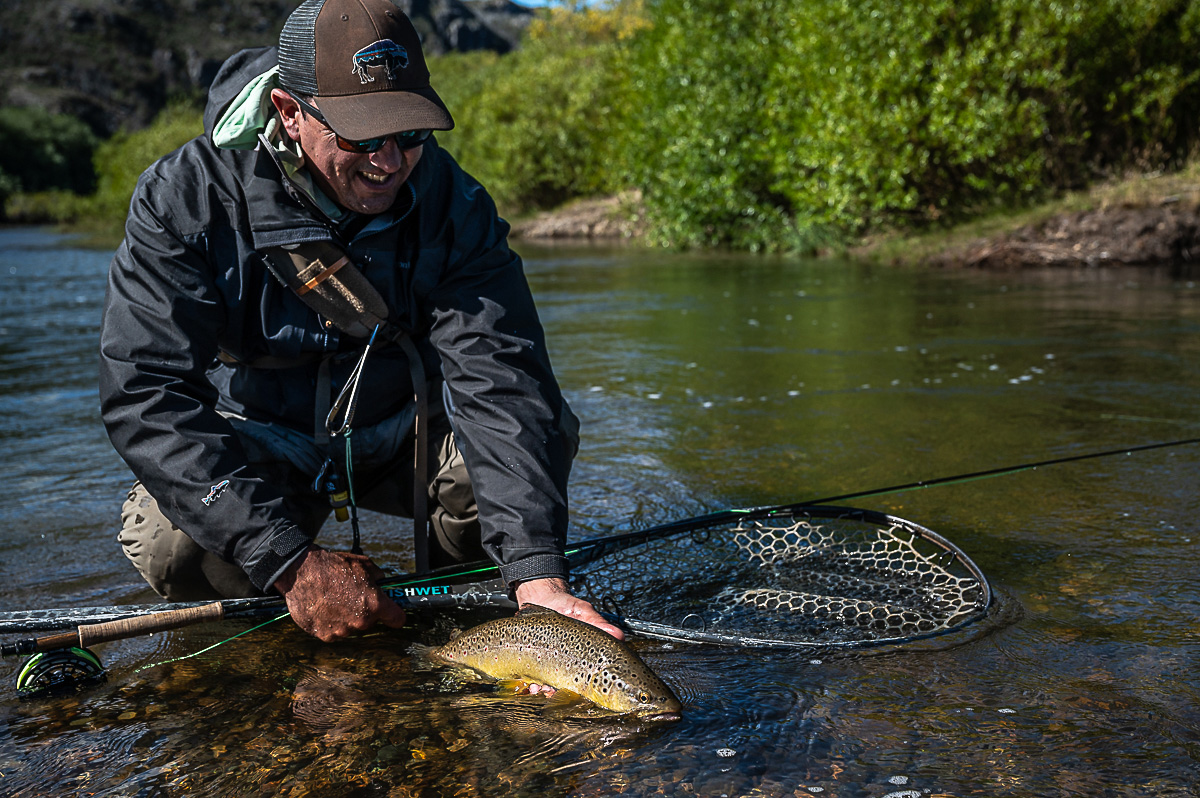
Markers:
281,551
539,566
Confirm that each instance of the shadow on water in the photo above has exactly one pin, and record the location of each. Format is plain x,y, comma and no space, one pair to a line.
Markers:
703,382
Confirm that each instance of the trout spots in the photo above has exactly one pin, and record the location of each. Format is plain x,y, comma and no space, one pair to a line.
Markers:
541,646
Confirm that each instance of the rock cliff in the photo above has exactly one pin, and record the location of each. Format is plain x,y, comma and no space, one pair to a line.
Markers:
116,63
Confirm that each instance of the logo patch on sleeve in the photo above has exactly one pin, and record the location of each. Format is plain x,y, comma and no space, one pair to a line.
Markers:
215,492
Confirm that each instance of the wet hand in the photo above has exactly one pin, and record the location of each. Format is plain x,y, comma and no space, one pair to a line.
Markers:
332,594
553,594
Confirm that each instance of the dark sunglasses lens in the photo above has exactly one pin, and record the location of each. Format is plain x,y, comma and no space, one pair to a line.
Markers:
367,145
406,141
411,138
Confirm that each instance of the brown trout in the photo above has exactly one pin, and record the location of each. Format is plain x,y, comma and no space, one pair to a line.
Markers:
541,646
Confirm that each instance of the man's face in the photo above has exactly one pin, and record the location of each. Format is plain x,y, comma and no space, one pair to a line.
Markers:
362,182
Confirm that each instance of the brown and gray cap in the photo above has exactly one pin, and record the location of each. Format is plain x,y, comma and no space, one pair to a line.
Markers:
362,60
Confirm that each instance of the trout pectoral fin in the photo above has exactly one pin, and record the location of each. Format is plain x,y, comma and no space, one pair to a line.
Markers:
516,686
563,698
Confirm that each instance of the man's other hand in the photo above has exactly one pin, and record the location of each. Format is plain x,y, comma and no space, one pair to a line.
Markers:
332,594
553,594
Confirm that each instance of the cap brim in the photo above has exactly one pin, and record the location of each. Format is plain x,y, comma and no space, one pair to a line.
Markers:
381,113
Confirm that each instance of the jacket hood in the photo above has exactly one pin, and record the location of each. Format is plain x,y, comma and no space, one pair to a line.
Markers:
234,79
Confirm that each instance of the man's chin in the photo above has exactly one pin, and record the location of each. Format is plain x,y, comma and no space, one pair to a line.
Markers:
373,203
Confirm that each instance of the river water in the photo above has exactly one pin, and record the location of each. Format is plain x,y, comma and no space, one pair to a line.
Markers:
703,382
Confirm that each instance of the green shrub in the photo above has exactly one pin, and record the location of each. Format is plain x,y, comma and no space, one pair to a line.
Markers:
121,160
45,207
700,147
543,124
40,151
773,124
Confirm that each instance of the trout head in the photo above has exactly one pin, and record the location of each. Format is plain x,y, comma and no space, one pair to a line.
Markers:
647,703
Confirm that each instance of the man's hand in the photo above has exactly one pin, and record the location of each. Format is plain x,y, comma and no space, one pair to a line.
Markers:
553,594
332,594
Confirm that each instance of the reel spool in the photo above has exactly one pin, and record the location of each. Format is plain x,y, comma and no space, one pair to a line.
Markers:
59,671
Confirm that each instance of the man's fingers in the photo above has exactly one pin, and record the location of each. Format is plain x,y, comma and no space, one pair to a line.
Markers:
391,615
333,595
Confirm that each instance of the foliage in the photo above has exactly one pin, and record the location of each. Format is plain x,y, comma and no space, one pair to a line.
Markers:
776,125
543,125
771,120
41,151
115,166
121,160
700,150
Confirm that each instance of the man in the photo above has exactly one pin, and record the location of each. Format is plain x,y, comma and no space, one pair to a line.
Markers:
217,381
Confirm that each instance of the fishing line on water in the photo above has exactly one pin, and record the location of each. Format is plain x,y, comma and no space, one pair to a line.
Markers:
214,645
1148,419
999,472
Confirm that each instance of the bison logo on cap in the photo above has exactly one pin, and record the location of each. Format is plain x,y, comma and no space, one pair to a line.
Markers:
384,54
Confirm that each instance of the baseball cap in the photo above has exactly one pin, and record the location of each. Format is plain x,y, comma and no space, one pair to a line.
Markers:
362,59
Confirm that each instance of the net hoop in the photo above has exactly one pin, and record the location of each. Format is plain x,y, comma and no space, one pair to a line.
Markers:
937,554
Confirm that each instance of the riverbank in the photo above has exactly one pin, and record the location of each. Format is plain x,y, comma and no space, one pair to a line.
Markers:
1138,220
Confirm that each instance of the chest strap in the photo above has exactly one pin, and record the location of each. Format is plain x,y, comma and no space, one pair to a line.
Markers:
326,280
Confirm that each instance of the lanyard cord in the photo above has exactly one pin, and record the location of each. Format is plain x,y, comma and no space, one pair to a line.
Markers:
357,547
346,404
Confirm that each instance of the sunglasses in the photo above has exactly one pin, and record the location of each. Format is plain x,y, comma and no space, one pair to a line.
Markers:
405,140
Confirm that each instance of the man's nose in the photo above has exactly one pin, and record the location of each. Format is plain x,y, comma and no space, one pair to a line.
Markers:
389,157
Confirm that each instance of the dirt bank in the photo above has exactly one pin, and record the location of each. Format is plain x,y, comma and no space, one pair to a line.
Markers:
601,219
1135,222
1167,233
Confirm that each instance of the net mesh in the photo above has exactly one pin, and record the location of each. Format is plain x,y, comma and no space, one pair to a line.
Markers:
826,577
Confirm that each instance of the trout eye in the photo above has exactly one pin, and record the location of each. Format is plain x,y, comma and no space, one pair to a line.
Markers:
644,697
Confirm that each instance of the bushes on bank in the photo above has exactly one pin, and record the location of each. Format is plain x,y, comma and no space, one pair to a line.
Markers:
121,159
546,123
771,124
112,168
41,151
774,121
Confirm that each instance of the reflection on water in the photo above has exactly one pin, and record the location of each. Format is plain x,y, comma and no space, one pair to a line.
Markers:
703,382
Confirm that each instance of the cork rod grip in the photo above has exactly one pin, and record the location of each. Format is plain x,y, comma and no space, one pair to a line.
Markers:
149,624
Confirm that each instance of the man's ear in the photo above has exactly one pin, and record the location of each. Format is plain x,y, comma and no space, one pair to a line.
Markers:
289,112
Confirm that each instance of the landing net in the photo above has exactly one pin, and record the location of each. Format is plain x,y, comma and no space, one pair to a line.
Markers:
811,577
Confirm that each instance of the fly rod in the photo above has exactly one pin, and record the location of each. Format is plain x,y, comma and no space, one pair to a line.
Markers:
768,534
89,634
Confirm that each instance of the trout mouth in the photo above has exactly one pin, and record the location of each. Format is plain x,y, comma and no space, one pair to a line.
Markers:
659,715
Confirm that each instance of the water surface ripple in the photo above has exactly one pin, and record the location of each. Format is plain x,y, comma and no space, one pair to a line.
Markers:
703,382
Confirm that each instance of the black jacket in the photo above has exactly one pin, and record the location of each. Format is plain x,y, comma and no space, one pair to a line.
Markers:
189,280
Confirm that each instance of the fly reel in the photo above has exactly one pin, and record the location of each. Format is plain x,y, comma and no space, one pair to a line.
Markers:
62,670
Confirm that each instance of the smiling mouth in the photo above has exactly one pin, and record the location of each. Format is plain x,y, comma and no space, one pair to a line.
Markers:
374,179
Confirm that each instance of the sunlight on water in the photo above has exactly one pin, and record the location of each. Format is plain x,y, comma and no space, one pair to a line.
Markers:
703,382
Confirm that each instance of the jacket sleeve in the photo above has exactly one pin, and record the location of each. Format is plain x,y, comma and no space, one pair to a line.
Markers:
508,408
162,317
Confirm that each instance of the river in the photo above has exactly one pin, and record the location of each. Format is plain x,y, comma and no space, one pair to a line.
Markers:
704,381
